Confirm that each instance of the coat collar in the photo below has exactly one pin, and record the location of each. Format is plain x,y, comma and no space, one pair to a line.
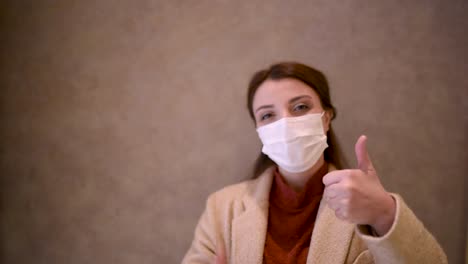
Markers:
249,229
330,237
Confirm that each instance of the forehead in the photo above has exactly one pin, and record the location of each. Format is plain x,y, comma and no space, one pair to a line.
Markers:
280,91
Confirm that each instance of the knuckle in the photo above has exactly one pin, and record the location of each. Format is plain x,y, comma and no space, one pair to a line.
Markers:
346,203
346,213
334,205
348,185
338,214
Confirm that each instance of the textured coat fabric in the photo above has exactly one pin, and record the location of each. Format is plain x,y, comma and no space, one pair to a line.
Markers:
236,218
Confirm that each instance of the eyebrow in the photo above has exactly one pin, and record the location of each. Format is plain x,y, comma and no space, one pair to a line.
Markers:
292,100
297,98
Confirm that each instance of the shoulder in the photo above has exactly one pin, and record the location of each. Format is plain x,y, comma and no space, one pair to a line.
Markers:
249,192
234,191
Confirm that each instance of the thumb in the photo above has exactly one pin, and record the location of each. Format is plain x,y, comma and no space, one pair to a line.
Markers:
364,162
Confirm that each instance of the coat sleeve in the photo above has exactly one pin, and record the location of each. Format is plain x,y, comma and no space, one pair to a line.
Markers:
202,249
407,241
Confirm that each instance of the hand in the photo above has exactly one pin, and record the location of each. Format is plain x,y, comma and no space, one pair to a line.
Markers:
220,257
357,196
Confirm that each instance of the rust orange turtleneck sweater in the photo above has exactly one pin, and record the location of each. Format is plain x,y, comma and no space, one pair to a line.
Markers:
291,219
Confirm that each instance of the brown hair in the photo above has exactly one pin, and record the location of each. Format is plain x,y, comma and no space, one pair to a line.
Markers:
317,81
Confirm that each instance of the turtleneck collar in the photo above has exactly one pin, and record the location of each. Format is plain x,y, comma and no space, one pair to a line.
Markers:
286,197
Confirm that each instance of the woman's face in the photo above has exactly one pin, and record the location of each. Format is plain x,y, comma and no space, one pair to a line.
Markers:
277,99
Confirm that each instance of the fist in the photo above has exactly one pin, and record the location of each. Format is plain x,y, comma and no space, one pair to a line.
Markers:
357,196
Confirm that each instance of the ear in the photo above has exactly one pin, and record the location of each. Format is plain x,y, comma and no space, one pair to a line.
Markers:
327,117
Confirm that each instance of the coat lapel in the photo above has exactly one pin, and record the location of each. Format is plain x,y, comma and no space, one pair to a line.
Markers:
331,237
330,240
249,229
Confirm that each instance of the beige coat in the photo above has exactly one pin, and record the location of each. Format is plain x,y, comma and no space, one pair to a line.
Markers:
237,216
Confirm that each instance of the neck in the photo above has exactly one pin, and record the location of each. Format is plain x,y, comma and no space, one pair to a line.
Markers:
298,180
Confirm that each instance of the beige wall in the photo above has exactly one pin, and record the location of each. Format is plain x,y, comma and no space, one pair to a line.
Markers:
120,117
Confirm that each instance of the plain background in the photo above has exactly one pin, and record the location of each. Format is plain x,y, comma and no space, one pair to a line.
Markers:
120,117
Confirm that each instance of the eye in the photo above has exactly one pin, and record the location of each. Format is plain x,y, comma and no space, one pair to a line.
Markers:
265,116
301,107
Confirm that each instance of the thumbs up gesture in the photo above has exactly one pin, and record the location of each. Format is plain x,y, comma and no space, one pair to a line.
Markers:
357,196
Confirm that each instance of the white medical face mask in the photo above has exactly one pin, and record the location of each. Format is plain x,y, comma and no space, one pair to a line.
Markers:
294,143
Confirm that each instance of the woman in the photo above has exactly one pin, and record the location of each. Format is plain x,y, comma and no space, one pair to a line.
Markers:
301,206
